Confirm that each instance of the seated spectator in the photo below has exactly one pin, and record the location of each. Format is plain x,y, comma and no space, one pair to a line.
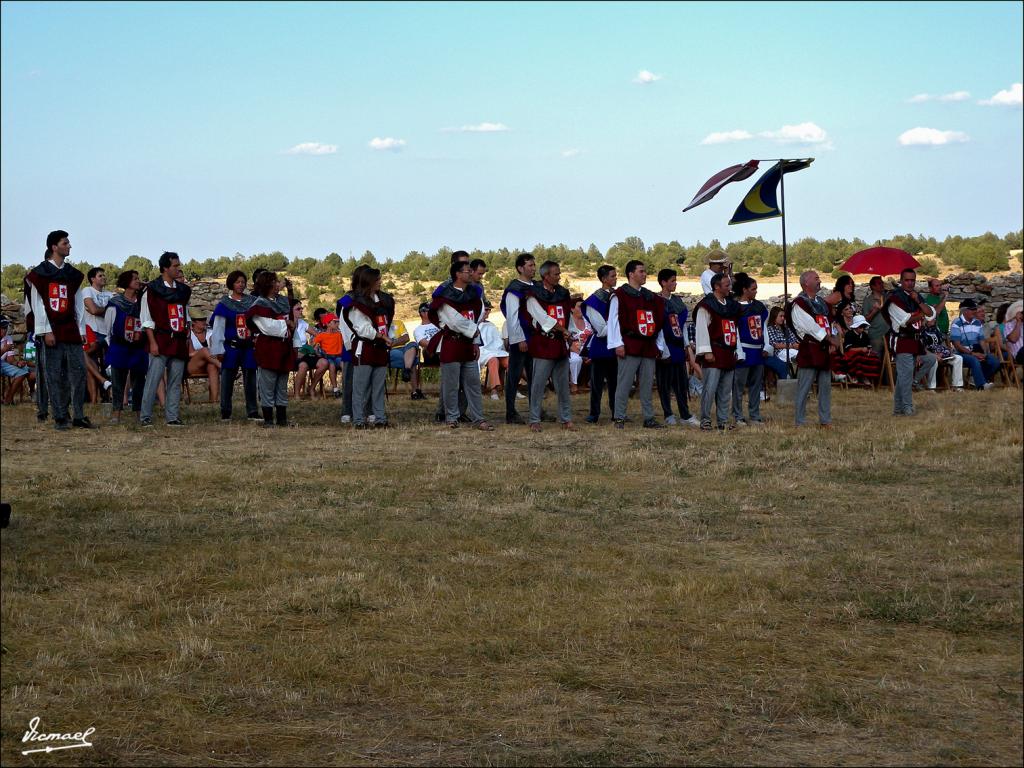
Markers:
423,333
201,361
1012,332
405,353
861,362
493,355
966,335
328,344
843,316
305,353
782,342
935,343
12,366
580,332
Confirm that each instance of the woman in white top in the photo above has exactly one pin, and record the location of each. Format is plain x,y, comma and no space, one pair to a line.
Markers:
580,331
493,355
202,362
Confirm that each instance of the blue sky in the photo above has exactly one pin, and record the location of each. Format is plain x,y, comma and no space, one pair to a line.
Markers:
140,128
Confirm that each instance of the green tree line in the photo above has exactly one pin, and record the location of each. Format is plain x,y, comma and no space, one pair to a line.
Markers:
755,255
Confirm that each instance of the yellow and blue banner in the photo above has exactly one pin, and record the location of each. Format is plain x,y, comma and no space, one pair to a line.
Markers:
761,201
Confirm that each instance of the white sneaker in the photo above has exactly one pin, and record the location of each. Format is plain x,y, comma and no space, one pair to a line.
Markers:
763,398
346,419
670,421
693,421
371,419
107,385
989,385
838,377
741,423
520,396
494,396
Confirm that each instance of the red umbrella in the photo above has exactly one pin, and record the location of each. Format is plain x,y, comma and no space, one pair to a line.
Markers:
879,261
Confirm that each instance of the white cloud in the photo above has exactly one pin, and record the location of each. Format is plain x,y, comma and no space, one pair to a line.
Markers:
312,148
725,137
931,137
388,143
1013,97
571,152
479,128
954,96
804,133
645,78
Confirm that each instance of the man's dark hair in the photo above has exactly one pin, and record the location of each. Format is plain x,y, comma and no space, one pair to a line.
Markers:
125,278
664,275
53,238
455,268
907,271
458,256
875,279
264,283
475,264
717,279
1001,312
521,260
256,273
232,277
631,266
93,272
740,282
603,270
318,313
166,258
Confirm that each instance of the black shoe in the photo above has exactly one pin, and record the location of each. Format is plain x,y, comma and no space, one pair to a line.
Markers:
619,423
176,423
145,422
515,419
591,419
41,417
406,374
61,424
83,423
465,419
653,424
416,395
381,425
268,425
439,418
282,415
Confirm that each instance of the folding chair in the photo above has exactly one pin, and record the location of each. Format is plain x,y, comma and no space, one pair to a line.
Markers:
1007,365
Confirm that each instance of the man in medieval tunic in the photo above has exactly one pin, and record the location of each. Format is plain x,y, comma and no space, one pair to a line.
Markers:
718,348
127,351
457,310
635,319
58,314
603,362
904,312
807,315
670,369
749,373
547,310
165,320
517,331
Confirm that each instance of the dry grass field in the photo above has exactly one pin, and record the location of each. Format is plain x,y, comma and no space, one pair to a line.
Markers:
226,595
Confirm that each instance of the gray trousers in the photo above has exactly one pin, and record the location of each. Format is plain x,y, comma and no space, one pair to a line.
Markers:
558,372
717,392
461,379
273,387
369,381
804,379
742,378
628,367
175,368
65,379
902,395
346,388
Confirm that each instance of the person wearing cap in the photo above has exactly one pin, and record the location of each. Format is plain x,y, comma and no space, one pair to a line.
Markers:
635,320
965,333
718,264
231,342
807,315
861,362
906,312
58,312
328,344
422,334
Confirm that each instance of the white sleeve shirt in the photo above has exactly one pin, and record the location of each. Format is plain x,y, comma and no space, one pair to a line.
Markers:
268,326
215,338
614,331
542,318
598,323
897,316
456,322
362,325
702,323
512,325
805,325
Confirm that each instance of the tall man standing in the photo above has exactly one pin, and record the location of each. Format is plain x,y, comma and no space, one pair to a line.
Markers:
670,369
603,362
517,329
58,314
165,320
635,319
808,317
903,311
749,372
548,308
718,348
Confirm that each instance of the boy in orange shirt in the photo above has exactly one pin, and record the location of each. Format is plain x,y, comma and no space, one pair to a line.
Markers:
329,345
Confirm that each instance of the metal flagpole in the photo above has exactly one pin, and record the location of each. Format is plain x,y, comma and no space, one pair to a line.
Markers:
782,210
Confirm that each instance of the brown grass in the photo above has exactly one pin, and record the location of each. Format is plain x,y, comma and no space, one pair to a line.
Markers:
321,596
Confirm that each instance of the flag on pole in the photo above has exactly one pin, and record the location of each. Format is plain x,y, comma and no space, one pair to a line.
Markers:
719,180
761,201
